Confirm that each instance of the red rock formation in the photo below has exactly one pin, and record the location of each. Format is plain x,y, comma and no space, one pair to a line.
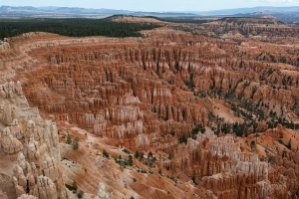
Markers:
156,94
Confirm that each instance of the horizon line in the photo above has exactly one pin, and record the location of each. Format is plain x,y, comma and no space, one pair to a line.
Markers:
183,11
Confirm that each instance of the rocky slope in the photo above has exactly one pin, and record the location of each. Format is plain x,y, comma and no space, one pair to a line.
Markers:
29,147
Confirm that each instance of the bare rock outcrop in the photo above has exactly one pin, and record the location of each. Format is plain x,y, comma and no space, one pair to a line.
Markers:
29,144
102,194
25,196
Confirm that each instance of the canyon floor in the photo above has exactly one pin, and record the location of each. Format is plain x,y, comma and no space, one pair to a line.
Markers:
207,110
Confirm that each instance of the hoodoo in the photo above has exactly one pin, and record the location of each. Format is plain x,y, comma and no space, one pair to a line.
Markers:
188,110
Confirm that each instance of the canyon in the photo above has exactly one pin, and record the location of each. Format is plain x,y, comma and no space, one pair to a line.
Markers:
187,111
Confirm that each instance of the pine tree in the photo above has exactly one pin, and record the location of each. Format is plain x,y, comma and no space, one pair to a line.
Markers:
76,143
105,154
289,145
130,161
68,139
136,155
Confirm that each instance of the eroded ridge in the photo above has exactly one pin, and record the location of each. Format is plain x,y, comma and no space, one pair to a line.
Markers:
29,148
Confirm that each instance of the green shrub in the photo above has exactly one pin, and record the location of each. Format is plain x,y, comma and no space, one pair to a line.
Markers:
68,139
130,160
183,139
73,187
80,194
136,155
105,154
126,151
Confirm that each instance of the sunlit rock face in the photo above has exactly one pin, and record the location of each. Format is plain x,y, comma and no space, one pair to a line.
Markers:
30,157
171,93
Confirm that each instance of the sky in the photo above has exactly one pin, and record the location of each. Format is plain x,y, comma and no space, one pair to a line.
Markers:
153,5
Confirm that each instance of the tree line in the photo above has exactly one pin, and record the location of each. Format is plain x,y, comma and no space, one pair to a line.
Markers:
75,27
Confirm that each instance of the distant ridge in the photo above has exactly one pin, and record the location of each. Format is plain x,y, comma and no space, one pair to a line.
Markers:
284,14
248,10
52,11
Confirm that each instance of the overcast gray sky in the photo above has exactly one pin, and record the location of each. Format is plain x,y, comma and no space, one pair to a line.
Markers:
154,5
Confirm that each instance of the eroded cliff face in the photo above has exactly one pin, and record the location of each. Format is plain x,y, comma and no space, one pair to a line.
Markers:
232,168
171,97
29,148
